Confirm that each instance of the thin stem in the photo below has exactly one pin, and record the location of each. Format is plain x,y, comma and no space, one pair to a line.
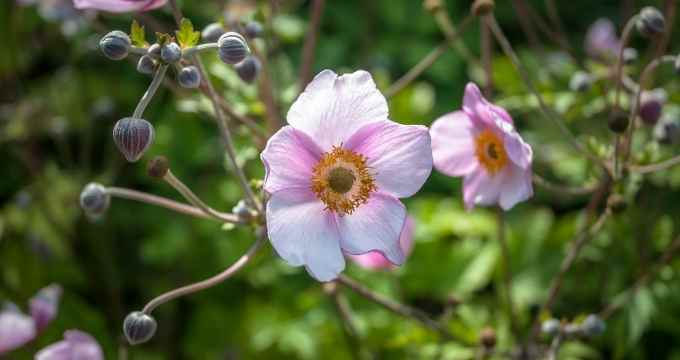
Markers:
345,314
207,283
523,15
666,164
189,52
507,275
427,61
625,36
265,91
666,258
562,189
555,347
447,27
316,13
168,204
138,50
148,95
397,308
545,111
554,15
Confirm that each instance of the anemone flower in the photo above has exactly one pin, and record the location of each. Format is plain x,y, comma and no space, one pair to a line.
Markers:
374,260
119,6
480,144
601,41
76,345
336,172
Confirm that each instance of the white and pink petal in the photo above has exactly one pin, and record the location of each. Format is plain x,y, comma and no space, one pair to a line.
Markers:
289,158
453,144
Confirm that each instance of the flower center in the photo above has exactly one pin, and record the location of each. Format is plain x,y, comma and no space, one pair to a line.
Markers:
342,181
490,151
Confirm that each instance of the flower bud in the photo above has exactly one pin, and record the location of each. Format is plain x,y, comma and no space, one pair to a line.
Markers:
232,48
667,131
581,81
139,327
482,7
248,69
115,45
243,211
171,53
253,29
650,21
676,64
146,65
651,105
212,32
487,337
618,121
189,77
154,51
630,55
157,167
617,203
94,200
133,137
551,327
593,325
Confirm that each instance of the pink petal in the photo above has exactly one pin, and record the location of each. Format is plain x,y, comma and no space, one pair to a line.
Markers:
518,151
479,188
480,110
303,233
76,345
119,6
375,225
400,155
375,260
16,329
44,306
333,108
289,158
453,147
516,187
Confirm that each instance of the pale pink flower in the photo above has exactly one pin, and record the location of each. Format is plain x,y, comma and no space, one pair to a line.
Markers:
336,173
76,345
119,6
375,260
480,143
601,40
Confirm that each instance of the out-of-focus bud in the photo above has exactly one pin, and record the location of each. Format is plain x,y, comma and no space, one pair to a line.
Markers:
44,305
482,7
581,81
551,327
253,29
146,65
232,48
94,200
618,121
115,45
593,325
189,77
432,5
243,211
133,137
139,327
676,65
171,53
487,337
630,55
651,106
212,32
154,51
667,131
617,203
248,69
650,21
158,167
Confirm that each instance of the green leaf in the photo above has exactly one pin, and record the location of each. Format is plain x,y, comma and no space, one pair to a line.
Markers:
186,35
137,34
163,39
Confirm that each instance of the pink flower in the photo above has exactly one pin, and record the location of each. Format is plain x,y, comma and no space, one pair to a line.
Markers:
374,260
480,143
601,41
75,346
119,6
44,306
336,173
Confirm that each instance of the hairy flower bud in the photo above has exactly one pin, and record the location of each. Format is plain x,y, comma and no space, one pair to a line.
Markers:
248,69
253,29
482,7
650,21
212,32
94,200
551,327
133,137
651,106
243,211
154,51
189,77
630,55
115,45
171,53
146,65
157,167
139,327
232,48
618,121
487,337
580,81
593,325
667,131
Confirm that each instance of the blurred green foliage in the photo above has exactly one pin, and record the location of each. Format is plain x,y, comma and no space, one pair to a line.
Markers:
59,101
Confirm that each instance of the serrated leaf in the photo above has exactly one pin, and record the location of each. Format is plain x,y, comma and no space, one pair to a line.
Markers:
137,35
186,35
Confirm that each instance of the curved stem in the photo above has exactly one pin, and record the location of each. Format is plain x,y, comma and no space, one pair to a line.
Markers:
316,13
625,36
507,275
666,164
189,52
150,92
561,189
135,195
138,50
207,283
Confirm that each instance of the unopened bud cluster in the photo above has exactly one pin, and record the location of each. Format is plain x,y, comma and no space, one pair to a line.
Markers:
591,326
